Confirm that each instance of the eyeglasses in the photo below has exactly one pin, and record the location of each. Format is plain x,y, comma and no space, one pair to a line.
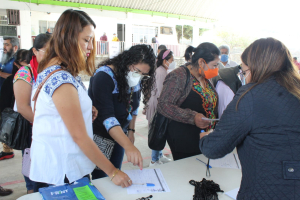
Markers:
244,72
138,73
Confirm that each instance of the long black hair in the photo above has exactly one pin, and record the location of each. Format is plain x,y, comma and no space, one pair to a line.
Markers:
39,42
160,59
136,54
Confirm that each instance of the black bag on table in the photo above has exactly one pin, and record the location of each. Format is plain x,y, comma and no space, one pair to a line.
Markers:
14,129
158,127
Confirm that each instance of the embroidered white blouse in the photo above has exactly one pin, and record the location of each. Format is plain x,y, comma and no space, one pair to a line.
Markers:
54,154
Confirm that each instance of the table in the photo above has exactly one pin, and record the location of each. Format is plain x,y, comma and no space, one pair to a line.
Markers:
177,174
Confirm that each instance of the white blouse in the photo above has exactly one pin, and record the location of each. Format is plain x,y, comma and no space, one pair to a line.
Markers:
54,154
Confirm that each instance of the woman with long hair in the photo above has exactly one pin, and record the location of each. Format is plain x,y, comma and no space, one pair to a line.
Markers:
165,59
62,149
23,82
115,90
187,98
262,121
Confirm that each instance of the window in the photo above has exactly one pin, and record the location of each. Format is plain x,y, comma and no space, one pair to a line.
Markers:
44,25
143,34
166,30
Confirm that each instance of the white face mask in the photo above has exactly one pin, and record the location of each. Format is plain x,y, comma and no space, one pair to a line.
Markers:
244,79
133,78
172,65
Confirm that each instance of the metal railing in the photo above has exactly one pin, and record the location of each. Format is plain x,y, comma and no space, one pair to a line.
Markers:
177,49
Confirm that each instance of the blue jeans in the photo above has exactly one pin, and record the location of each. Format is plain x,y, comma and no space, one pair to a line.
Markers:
156,155
116,159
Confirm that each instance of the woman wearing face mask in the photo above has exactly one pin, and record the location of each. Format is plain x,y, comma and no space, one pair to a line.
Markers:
62,149
115,90
165,59
262,121
187,106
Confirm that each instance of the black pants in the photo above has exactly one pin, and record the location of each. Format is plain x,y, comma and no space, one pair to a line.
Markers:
177,153
39,185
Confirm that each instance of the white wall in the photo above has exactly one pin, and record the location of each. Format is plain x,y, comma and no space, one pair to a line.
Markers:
106,21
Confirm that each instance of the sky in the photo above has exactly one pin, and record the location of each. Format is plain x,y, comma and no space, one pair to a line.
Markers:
265,18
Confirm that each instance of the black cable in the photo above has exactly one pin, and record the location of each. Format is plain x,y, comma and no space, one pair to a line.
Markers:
205,190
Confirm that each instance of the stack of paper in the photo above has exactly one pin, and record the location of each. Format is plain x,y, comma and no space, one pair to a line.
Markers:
229,161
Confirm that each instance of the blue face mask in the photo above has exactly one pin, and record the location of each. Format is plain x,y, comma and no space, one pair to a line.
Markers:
224,58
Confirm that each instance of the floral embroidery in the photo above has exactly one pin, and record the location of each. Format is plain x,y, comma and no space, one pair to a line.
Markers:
55,80
209,98
24,74
110,122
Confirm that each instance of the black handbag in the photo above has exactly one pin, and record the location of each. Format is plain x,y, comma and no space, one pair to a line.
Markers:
14,130
158,127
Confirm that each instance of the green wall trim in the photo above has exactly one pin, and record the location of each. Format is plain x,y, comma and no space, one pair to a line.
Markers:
119,9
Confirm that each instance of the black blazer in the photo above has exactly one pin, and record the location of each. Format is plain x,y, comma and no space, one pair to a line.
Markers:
266,131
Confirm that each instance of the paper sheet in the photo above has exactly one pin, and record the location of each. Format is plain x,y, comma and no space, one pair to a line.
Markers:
154,176
84,193
229,161
233,193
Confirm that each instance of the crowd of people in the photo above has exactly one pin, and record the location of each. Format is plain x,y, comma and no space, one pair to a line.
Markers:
213,104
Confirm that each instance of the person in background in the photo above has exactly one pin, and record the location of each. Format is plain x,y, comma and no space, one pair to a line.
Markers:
115,38
262,121
227,83
186,107
115,89
23,82
225,52
164,60
48,31
10,47
103,40
160,48
296,62
62,149
5,192
7,98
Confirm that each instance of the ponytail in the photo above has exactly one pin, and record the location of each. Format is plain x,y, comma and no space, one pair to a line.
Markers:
29,55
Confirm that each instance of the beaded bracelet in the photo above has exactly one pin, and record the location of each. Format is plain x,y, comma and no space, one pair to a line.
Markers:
115,173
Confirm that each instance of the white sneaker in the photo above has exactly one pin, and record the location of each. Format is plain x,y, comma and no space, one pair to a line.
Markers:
155,163
165,159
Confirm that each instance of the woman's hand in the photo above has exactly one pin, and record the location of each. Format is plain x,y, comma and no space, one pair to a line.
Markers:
122,179
199,122
134,156
95,113
205,133
131,136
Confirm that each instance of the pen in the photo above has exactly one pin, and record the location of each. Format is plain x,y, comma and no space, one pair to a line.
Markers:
146,184
204,163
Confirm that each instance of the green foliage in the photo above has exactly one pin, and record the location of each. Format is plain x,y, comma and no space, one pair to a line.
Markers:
202,30
234,39
187,32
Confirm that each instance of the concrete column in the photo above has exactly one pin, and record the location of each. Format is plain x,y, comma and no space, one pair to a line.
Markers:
25,29
128,31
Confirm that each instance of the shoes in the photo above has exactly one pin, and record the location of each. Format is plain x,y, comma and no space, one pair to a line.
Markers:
155,163
165,159
5,192
4,155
